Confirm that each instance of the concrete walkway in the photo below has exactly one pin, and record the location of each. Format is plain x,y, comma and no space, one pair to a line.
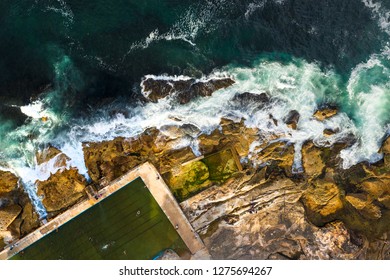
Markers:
156,185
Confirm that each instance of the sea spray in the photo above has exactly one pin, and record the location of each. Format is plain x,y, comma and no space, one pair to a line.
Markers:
46,118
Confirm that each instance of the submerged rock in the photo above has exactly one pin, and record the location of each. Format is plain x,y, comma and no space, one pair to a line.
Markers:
248,99
188,179
185,89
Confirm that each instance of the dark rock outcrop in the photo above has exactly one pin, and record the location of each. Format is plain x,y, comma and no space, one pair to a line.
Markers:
184,90
292,119
246,99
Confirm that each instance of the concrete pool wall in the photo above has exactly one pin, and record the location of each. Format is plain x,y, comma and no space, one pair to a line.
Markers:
158,189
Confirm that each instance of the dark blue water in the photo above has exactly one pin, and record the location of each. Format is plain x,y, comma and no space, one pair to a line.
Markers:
98,37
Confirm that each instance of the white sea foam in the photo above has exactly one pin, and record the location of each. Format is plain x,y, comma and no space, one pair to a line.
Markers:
258,5
293,86
193,22
297,85
34,110
380,13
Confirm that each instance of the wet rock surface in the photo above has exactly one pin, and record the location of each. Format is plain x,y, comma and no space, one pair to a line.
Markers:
184,90
325,113
251,101
49,153
292,119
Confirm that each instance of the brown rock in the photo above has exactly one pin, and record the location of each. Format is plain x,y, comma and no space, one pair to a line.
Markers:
325,113
47,154
385,200
386,146
62,189
30,219
207,88
329,132
100,158
322,201
8,182
238,135
364,206
280,153
175,132
377,189
109,160
312,160
8,215
379,248
212,143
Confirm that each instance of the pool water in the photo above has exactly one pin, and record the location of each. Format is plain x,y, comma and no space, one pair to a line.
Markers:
129,224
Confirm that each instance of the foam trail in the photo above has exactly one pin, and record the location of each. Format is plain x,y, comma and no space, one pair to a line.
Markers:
194,21
379,13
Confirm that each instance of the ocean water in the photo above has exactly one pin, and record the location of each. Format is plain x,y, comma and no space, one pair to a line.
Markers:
80,65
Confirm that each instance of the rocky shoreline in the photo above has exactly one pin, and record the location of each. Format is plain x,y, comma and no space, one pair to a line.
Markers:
264,211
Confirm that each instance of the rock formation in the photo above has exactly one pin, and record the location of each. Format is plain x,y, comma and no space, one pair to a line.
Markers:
185,89
245,202
265,211
62,189
17,217
325,113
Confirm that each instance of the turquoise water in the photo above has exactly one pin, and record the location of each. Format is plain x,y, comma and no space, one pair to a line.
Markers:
90,57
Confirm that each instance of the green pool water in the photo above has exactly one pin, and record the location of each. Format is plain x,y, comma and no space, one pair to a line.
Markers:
129,224
192,178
